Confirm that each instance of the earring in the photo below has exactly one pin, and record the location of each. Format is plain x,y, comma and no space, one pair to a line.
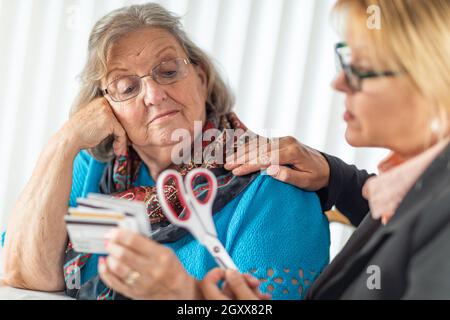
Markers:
436,126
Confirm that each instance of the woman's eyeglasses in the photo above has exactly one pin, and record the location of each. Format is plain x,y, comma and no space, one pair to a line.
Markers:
353,75
129,87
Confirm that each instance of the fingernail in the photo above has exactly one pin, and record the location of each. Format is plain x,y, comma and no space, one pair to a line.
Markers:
273,170
253,279
102,264
230,273
268,296
229,158
229,164
110,234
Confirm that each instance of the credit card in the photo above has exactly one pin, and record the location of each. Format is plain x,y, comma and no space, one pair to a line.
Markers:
88,223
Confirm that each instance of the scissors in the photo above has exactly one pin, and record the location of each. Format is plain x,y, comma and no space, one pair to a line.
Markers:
197,215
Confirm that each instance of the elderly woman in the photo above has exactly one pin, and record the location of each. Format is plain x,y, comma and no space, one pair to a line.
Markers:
143,80
396,82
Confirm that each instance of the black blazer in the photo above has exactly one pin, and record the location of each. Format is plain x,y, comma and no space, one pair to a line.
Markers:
409,258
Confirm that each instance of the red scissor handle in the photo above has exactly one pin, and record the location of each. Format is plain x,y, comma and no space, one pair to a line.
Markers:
168,208
212,185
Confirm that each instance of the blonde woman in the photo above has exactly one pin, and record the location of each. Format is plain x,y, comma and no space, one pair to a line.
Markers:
396,81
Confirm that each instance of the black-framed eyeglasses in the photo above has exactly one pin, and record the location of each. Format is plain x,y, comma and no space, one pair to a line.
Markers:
128,87
353,75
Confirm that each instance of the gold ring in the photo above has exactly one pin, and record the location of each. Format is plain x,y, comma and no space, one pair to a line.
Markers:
132,277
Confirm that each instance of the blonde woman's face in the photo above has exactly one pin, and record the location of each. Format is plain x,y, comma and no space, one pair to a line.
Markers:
387,113
150,118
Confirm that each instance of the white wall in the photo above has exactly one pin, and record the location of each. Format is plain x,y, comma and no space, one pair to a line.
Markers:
277,55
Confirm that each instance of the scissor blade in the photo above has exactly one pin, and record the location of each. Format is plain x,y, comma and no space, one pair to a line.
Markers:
204,217
219,253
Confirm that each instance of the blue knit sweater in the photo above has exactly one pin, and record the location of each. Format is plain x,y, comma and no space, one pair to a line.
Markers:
272,230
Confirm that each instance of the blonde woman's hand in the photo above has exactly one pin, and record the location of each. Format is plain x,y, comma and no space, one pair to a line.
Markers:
236,286
139,268
93,123
288,160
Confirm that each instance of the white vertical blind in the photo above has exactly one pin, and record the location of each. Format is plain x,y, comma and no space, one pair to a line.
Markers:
277,56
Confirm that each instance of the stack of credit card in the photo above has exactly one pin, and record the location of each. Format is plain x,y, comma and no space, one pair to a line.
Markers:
95,215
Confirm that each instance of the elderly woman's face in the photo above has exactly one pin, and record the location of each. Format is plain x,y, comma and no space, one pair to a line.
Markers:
150,118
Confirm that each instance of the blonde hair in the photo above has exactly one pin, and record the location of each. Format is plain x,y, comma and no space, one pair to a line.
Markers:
123,21
414,37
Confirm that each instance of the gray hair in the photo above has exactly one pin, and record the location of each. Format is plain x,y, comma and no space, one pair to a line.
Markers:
123,21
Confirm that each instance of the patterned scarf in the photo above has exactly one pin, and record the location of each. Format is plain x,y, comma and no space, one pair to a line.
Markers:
120,181
121,174
386,191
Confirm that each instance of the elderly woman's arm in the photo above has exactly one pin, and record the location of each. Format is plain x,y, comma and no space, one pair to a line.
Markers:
36,234
36,237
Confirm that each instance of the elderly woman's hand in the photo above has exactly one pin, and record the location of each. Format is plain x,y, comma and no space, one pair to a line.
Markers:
140,268
290,161
236,286
94,123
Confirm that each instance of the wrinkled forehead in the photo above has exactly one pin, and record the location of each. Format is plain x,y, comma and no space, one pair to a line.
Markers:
145,45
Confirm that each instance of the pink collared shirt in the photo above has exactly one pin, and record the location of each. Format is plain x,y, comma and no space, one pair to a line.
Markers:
397,176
